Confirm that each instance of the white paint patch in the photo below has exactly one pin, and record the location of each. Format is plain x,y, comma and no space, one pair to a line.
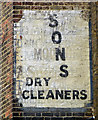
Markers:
36,58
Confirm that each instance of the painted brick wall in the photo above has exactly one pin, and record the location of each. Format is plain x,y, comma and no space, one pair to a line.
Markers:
45,114
6,61
12,12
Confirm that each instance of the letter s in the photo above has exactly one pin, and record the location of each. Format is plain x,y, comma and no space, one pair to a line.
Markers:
84,94
54,22
62,68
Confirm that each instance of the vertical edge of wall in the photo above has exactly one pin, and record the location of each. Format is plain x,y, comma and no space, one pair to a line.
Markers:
94,21
0,54
6,61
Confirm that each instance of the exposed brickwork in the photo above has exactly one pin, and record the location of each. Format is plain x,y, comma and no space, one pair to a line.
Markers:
94,20
18,8
6,61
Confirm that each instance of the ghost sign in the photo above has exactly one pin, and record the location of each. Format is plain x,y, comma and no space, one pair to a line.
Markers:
52,59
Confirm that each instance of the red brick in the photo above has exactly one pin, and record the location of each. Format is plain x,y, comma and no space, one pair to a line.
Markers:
55,3
16,20
37,3
29,3
61,3
37,7
16,3
44,3
17,16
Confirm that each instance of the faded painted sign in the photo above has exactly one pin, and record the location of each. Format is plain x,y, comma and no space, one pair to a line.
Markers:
52,59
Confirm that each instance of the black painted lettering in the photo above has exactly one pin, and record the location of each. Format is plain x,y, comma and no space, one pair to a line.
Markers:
54,22
32,96
59,94
38,82
40,94
24,95
57,35
63,69
29,81
60,53
75,94
50,95
84,94
67,94
46,80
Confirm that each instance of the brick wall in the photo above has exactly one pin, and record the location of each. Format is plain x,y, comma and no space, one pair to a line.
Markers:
0,50
19,6
12,12
94,21
48,114
6,61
